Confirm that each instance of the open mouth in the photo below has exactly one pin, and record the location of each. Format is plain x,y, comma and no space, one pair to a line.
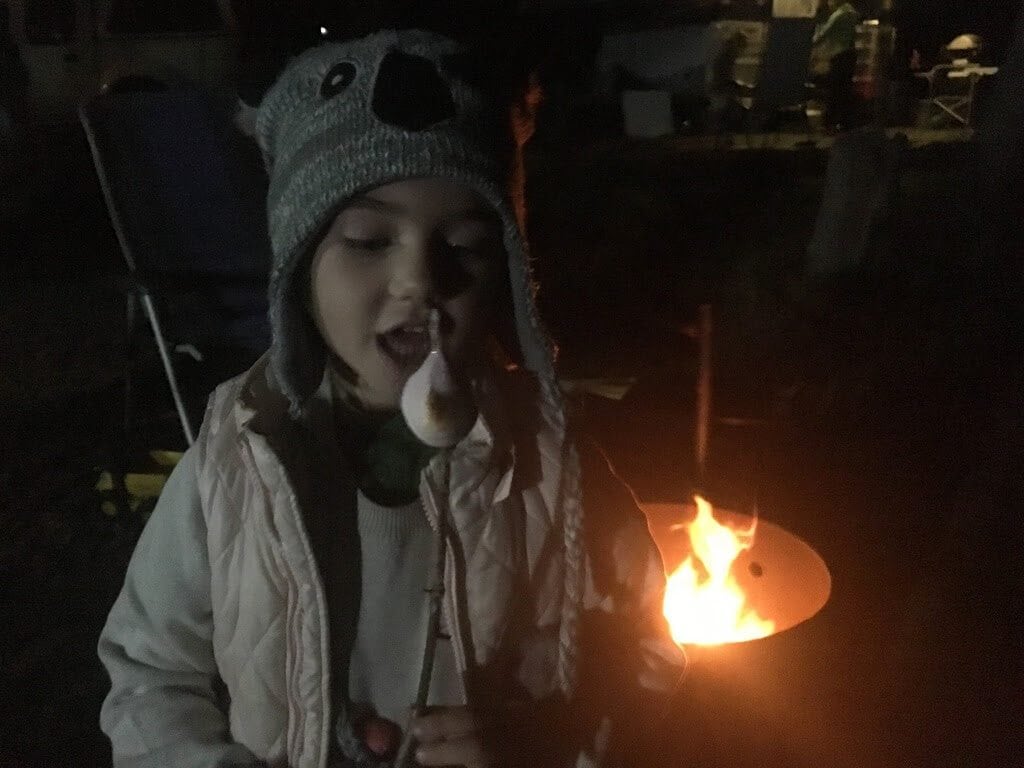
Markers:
405,344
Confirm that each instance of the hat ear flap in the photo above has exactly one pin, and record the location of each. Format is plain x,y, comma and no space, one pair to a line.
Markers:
298,354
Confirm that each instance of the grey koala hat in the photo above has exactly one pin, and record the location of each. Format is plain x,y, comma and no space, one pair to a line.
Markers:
347,117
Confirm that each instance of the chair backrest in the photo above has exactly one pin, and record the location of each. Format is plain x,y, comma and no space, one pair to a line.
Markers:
184,192
787,56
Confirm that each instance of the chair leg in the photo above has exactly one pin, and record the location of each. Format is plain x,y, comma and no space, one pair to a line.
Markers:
172,379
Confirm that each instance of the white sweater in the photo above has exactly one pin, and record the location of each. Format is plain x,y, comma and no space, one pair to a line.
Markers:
396,545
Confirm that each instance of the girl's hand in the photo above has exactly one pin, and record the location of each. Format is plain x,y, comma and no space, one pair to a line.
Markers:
452,736
523,734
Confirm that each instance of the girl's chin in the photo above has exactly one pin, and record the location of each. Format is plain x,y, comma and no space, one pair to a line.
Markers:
381,392
392,375
385,393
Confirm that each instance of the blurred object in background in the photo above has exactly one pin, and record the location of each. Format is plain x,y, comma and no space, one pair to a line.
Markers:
954,84
1000,171
874,43
134,84
835,33
73,48
745,41
561,46
794,9
47,36
927,27
647,114
742,73
858,201
675,61
13,80
953,90
834,60
49,22
964,49
745,9
163,16
187,203
782,80
269,32
177,43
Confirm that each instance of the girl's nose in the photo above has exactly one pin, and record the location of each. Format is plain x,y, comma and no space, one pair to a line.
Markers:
411,279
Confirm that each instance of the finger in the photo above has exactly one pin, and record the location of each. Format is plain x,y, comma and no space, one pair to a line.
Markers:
465,751
444,723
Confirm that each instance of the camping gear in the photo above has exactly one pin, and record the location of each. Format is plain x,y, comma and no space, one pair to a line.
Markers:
185,195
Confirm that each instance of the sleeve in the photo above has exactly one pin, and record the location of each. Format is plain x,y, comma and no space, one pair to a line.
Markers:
630,666
162,708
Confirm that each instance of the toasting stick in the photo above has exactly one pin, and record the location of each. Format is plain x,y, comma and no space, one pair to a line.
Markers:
435,598
440,411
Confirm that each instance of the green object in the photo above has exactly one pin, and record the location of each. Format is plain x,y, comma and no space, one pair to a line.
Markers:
392,463
387,456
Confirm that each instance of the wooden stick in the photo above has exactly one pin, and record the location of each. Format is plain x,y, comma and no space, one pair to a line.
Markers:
703,430
435,596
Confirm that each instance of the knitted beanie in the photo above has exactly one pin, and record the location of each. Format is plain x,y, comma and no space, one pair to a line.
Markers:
344,118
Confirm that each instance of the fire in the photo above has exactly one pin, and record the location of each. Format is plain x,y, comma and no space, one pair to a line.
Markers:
704,604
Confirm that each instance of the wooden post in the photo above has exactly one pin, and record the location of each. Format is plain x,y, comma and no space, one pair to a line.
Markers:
703,430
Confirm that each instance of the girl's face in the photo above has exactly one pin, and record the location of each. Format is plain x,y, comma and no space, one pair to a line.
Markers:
390,256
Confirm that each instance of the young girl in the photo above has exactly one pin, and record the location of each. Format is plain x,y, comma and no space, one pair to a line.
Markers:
275,609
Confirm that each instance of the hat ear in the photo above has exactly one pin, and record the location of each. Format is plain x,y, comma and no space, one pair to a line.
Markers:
298,356
298,353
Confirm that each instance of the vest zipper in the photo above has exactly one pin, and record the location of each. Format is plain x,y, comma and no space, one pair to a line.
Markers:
449,603
294,623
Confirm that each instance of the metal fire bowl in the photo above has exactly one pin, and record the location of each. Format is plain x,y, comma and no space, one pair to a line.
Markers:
784,579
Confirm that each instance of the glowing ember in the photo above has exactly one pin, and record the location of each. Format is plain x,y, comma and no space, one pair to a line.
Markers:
704,604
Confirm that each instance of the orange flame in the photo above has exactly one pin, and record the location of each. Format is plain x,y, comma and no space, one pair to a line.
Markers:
704,604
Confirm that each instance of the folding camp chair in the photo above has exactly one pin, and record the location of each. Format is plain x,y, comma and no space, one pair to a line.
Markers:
951,92
186,201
